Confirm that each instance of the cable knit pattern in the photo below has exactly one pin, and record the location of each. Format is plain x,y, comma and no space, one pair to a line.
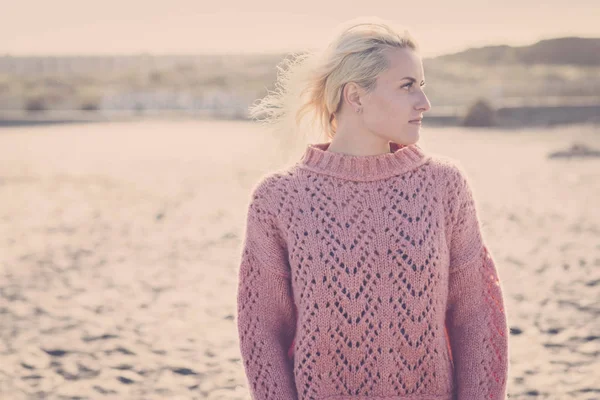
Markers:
366,277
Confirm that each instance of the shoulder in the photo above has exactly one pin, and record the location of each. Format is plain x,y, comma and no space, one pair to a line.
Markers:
269,184
453,180
269,193
282,181
449,171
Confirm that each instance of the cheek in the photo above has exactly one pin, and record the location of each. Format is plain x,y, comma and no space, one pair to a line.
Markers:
392,103
401,106
390,107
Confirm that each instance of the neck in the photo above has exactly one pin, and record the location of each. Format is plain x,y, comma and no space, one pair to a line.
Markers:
365,145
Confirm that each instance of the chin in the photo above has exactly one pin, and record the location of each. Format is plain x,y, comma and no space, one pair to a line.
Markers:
406,136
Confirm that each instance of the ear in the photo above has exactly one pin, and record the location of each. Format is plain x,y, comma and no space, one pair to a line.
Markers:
352,93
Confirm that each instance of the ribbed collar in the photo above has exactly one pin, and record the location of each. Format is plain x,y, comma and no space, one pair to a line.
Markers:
399,160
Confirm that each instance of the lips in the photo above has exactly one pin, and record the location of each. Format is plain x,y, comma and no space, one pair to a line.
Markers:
416,120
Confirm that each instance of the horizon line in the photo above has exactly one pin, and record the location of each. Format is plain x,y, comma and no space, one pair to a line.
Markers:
247,52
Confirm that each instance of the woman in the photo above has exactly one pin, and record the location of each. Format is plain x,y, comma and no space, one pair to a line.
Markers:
363,273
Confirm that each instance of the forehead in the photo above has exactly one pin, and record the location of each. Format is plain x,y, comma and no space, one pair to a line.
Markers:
403,63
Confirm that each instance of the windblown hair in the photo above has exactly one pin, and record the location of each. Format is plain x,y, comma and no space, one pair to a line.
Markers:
311,83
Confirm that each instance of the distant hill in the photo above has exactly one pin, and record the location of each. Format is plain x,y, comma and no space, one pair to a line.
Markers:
559,51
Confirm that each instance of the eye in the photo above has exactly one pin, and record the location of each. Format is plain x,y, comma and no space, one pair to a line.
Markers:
410,84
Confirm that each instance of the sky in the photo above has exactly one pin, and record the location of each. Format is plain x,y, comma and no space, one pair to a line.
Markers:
70,27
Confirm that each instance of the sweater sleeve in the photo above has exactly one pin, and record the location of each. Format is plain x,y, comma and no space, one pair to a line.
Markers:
265,306
475,320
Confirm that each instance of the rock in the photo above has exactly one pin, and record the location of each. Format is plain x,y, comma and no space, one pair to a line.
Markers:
576,150
480,113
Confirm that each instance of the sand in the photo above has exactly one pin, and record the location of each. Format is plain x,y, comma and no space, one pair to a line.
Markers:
119,248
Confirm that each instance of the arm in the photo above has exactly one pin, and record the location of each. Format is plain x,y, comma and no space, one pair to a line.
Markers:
265,306
475,319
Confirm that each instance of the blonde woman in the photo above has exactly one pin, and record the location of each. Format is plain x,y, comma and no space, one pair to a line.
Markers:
363,273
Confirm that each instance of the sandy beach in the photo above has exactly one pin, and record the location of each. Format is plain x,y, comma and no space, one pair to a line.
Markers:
119,247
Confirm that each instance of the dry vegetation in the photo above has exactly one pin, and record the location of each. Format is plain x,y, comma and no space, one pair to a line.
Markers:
449,83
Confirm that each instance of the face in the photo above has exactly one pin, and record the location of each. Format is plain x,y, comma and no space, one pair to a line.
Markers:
397,99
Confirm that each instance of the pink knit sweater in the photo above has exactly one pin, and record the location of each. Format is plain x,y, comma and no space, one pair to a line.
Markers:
366,277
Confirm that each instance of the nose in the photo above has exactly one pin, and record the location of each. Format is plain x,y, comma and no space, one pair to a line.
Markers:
424,105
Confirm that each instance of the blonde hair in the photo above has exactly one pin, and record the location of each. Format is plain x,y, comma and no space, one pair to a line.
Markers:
312,82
